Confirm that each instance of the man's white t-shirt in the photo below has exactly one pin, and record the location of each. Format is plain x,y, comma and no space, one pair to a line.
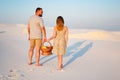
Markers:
36,23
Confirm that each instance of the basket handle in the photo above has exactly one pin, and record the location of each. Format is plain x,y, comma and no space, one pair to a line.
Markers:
47,42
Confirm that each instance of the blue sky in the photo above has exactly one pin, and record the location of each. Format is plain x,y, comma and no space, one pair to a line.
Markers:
101,14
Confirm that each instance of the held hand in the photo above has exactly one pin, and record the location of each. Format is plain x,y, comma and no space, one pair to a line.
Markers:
29,38
45,39
48,40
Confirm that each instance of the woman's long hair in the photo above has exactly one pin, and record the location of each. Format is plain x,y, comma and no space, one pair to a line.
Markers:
60,23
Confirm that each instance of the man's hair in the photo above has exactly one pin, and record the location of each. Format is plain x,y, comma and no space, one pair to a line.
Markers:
37,9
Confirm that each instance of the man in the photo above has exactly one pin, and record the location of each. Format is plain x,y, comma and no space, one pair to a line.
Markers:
36,33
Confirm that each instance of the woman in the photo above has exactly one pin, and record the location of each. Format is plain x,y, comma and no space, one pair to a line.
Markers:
60,36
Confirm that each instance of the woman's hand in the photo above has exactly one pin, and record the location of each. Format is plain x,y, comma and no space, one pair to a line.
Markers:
48,40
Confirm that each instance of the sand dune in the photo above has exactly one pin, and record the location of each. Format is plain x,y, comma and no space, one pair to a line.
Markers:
92,34
97,35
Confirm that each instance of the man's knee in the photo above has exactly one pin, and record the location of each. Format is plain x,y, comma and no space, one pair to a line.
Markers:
32,49
37,50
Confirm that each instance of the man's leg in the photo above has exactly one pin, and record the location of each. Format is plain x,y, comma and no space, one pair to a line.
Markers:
38,47
31,51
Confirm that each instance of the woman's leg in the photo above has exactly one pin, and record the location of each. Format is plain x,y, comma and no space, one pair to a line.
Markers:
60,60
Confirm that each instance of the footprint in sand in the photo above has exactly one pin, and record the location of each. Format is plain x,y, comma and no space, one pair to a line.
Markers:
2,77
13,75
27,68
16,75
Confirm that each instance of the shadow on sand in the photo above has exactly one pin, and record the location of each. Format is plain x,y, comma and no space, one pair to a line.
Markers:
79,53
2,32
71,48
70,51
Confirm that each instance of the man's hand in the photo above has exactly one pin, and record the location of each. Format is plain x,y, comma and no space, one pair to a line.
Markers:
45,39
44,34
28,37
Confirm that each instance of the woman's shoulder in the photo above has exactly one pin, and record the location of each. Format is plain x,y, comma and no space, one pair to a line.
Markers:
66,27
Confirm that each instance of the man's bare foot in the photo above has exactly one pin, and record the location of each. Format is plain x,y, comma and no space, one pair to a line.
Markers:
29,63
37,64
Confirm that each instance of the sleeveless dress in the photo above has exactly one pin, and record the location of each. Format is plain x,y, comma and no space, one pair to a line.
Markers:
59,45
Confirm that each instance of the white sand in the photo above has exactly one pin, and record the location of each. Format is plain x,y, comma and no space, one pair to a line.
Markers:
91,55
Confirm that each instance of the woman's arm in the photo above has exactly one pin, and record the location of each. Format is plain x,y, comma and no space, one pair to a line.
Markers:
54,35
66,35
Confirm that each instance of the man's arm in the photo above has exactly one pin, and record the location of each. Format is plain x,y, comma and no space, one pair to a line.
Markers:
66,36
28,31
44,33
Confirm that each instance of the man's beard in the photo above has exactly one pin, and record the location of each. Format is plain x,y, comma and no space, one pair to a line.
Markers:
40,15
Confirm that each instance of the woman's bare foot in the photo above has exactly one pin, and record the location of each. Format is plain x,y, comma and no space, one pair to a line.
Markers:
60,67
38,64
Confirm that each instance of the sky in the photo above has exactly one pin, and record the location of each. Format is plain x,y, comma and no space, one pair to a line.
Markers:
82,14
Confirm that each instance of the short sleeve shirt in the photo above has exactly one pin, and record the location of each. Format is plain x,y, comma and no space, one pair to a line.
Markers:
36,23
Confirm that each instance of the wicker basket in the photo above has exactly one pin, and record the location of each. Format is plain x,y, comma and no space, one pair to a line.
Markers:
47,50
